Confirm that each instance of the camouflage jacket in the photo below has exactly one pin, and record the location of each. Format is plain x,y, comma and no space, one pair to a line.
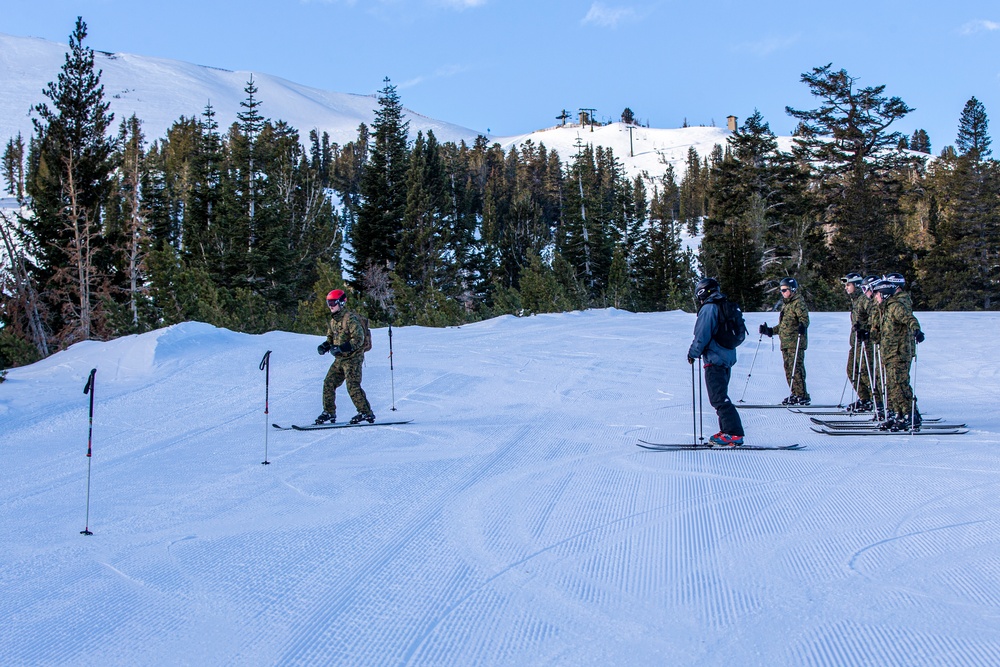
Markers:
793,313
896,327
861,313
344,328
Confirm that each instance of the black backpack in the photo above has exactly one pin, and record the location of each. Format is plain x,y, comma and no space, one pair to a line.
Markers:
732,329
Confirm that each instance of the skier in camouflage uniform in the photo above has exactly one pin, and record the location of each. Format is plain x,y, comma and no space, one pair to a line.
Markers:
859,357
898,331
868,336
345,337
792,324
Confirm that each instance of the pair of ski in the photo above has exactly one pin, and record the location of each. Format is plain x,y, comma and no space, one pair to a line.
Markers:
324,427
675,447
794,407
863,424
924,429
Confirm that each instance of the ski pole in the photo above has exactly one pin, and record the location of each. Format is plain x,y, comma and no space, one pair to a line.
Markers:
869,372
913,389
852,377
795,365
89,389
701,404
752,362
265,365
694,412
392,372
881,372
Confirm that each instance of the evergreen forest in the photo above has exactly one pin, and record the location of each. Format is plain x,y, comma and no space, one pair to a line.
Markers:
244,223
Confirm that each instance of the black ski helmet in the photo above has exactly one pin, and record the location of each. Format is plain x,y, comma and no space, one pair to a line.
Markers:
790,283
852,278
867,283
885,287
897,279
705,288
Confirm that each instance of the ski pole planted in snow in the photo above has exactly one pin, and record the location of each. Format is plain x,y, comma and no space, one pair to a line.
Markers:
694,411
89,389
265,365
913,397
701,404
795,364
752,362
392,374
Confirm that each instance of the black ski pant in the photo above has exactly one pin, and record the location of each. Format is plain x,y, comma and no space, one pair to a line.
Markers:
717,383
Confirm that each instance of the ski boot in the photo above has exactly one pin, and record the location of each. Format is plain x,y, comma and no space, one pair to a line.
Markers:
721,439
888,423
363,417
859,406
908,423
326,418
796,400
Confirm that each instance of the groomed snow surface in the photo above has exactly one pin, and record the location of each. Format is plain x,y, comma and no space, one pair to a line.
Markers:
514,522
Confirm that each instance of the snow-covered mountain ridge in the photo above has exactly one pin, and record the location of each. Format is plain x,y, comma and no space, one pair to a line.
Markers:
159,91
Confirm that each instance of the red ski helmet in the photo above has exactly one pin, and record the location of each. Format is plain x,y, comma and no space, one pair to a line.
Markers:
336,297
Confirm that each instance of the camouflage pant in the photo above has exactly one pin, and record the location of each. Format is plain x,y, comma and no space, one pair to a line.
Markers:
897,385
797,384
341,370
859,365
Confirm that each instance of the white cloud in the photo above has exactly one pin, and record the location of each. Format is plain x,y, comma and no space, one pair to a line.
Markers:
440,73
765,47
461,4
608,17
979,25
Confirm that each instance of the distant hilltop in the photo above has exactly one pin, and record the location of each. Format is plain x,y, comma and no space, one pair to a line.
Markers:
159,91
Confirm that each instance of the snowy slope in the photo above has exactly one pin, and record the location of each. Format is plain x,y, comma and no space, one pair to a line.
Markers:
159,91
646,150
514,522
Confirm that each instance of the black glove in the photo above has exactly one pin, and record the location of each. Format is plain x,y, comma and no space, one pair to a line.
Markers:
691,360
346,347
864,334
919,336
802,329
766,330
323,347
857,326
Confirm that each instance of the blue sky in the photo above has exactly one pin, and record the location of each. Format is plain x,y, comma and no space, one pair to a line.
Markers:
511,66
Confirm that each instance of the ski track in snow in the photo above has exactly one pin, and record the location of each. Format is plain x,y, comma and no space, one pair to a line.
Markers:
513,522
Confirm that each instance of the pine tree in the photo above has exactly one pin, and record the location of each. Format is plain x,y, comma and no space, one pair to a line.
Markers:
134,232
69,178
21,309
375,235
754,225
920,142
973,131
857,164
666,266
961,270
427,220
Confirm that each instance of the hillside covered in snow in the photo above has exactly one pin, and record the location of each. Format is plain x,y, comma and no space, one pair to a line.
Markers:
513,521
160,91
